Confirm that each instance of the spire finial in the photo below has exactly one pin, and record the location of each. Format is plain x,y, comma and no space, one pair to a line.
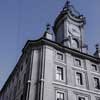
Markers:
97,53
48,34
97,47
67,3
48,27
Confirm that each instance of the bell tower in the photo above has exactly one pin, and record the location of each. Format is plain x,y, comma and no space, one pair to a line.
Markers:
69,27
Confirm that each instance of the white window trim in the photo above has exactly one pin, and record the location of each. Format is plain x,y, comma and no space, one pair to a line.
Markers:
98,70
63,73
94,83
83,76
60,92
80,95
62,55
80,66
76,78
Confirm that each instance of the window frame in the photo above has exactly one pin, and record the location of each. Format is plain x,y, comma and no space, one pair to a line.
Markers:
83,96
61,54
59,91
96,69
81,78
77,62
98,83
97,98
62,76
21,97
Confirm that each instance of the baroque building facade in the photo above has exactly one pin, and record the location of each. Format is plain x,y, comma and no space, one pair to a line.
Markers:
59,69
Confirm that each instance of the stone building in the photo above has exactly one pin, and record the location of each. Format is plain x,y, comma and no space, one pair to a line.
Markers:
56,69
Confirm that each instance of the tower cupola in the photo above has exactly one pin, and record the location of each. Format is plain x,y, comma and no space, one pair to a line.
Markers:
69,27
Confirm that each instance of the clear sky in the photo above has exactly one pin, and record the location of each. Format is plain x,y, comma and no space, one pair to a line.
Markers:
21,20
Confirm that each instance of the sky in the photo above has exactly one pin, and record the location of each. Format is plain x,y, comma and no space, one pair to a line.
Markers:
22,20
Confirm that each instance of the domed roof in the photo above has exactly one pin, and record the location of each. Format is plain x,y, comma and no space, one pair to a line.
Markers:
70,12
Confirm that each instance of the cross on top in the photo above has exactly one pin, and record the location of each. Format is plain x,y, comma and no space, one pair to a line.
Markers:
67,3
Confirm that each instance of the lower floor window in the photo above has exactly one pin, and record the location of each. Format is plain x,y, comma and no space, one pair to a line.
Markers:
59,96
59,73
81,98
79,78
98,98
96,83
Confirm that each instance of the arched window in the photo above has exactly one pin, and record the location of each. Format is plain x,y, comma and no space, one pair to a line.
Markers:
75,43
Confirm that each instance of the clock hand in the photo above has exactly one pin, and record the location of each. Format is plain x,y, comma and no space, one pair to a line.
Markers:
70,32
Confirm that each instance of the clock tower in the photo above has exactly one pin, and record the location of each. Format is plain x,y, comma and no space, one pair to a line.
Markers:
69,27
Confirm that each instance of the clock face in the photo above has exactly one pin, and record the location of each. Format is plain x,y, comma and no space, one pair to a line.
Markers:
74,30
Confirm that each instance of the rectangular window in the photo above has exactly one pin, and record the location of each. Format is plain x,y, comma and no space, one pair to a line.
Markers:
21,98
60,56
96,83
81,98
77,62
59,96
59,73
79,78
98,98
94,67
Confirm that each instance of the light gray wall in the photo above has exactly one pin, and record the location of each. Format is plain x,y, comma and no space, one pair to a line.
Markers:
60,33
12,91
44,62
68,86
34,74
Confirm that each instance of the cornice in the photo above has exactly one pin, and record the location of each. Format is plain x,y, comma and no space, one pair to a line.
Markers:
42,41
